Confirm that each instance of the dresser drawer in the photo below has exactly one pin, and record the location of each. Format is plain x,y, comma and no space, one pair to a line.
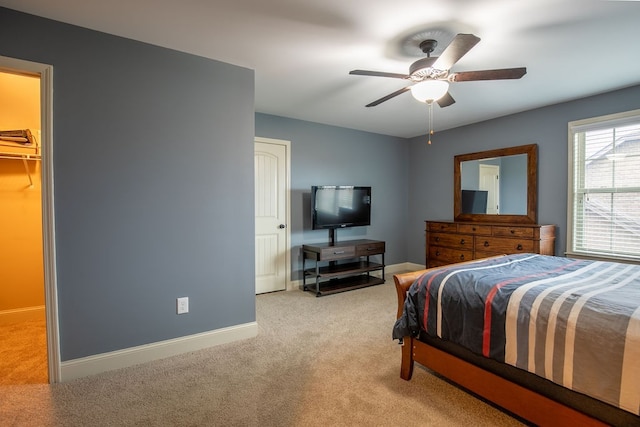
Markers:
448,255
460,241
339,252
502,245
450,242
370,249
475,229
505,231
442,226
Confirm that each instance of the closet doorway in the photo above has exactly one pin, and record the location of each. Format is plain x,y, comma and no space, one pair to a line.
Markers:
28,317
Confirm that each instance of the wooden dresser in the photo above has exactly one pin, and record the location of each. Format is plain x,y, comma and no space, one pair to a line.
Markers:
448,242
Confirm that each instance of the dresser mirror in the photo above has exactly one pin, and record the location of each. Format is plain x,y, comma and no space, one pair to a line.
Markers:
497,185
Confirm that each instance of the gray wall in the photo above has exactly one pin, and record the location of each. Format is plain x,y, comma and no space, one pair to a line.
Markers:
329,155
431,166
153,163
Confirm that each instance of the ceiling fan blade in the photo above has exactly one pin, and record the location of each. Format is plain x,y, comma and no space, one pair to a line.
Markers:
502,74
460,45
378,74
446,100
388,97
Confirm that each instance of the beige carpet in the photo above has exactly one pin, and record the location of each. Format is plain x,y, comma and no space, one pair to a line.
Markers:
326,361
23,353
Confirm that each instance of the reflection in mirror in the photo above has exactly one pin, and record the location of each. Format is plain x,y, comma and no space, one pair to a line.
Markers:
495,186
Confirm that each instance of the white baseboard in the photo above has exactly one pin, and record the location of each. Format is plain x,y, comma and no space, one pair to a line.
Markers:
91,365
22,314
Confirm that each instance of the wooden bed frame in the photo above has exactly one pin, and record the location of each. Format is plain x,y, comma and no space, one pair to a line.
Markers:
513,397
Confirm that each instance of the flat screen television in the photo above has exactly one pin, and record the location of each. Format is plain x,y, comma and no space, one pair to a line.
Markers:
340,206
474,201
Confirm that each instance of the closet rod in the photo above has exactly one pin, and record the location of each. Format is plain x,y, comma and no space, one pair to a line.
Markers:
13,156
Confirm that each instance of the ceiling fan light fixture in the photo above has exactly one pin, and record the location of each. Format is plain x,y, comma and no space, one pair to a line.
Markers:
429,90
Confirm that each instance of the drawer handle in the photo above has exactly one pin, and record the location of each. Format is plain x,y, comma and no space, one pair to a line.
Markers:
519,247
474,229
437,239
461,256
442,227
338,252
437,253
462,241
512,231
486,244
371,249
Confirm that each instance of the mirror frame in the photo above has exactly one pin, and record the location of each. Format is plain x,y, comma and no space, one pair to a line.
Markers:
531,217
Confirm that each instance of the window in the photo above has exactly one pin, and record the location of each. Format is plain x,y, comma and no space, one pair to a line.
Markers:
604,187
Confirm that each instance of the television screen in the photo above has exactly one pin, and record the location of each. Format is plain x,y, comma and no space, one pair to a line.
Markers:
339,206
474,201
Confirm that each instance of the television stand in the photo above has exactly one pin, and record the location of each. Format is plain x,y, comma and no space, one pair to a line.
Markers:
342,266
332,236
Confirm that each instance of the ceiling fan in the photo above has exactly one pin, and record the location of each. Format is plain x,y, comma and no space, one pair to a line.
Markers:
430,76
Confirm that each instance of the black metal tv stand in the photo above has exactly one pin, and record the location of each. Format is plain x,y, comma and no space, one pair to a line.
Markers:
342,266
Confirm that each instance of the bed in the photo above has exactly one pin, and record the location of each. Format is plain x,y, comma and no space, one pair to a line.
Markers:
553,340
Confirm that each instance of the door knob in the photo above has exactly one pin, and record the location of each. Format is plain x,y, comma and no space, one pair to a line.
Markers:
282,226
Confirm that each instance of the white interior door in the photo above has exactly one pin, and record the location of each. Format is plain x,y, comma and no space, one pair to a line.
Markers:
271,158
489,181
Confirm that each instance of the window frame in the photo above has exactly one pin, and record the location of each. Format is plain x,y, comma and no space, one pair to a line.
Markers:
577,126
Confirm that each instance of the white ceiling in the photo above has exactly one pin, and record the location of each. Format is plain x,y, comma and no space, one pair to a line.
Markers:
303,50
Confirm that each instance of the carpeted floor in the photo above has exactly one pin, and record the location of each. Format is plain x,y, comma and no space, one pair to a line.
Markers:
326,361
23,353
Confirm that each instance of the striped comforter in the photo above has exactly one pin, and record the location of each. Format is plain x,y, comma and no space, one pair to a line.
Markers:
574,322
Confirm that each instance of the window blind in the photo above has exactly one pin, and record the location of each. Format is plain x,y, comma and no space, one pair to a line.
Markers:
604,188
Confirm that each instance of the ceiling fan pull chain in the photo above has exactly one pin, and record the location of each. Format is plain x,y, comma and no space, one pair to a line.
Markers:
430,105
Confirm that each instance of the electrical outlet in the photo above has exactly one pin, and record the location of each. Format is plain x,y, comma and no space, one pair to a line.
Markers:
182,305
